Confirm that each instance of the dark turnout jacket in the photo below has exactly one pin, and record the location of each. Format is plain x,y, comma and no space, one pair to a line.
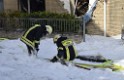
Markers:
66,49
32,36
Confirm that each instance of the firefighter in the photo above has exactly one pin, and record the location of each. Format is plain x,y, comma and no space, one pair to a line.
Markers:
66,49
33,35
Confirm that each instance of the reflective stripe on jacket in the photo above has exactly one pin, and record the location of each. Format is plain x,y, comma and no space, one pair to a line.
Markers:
27,41
66,50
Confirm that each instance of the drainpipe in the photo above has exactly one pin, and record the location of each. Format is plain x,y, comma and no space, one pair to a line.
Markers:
28,1
105,17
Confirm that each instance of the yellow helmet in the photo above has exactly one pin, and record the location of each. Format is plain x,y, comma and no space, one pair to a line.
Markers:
56,37
49,29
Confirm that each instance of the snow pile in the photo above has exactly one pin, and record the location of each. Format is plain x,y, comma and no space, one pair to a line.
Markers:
15,64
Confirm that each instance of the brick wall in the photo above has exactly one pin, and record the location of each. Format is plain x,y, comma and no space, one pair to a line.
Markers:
115,18
10,5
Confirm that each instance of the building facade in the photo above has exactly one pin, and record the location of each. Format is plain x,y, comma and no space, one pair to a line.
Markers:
114,13
8,5
34,5
114,18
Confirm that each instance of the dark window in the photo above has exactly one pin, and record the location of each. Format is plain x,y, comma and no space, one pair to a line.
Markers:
35,5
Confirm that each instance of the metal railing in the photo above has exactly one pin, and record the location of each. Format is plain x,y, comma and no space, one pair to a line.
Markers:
59,25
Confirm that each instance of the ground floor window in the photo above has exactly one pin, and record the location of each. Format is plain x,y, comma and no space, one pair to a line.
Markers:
35,5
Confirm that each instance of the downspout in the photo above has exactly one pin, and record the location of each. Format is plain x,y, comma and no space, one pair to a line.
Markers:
105,17
28,1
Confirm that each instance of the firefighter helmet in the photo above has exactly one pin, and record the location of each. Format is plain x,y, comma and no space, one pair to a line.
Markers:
49,29
56,37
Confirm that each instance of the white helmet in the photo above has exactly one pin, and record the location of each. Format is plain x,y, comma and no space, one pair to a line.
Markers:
49,29
56,37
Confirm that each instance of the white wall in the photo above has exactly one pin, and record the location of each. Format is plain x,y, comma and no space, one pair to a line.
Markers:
66,5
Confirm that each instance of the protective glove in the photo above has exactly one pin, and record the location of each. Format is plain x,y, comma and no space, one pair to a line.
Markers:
36,46
54,59
62,61
37,49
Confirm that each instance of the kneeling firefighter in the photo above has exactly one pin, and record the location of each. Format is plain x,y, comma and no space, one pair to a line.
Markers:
66,49
33,35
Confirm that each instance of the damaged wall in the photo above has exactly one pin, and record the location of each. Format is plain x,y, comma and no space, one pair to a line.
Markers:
115,18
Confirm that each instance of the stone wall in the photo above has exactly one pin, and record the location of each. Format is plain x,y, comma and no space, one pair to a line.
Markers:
10,5
95,26
115,18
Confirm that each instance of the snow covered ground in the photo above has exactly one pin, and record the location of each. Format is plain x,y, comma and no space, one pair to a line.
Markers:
15,64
